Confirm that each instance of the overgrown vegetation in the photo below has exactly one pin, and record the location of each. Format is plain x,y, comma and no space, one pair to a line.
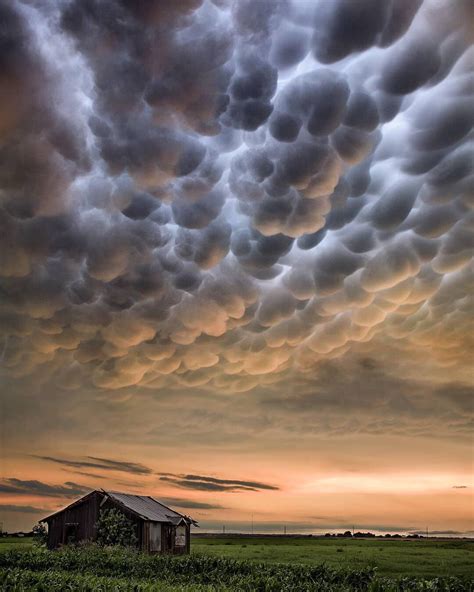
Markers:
115,529
40,534
23,580
95,568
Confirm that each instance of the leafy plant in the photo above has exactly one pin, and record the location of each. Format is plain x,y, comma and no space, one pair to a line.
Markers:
40,534
114,528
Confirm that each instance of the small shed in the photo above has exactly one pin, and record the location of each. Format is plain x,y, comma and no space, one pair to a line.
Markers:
159,529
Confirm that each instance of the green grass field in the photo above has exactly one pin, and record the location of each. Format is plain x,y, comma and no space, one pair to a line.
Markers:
423,558
426,558
7,543
90,568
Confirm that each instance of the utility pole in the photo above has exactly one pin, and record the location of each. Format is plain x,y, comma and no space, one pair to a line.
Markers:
252,523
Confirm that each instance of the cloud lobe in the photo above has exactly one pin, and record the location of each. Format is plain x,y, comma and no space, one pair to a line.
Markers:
245,191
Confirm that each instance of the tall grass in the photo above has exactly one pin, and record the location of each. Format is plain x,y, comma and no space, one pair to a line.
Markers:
94,568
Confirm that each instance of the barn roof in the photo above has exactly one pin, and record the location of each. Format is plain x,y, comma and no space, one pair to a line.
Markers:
147,507
144,506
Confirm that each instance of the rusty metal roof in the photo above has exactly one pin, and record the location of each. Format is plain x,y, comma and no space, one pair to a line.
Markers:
144,506
147,507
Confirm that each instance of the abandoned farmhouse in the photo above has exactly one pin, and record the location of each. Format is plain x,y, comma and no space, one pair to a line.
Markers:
159,529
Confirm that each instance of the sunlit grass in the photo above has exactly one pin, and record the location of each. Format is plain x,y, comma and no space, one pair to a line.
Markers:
427,558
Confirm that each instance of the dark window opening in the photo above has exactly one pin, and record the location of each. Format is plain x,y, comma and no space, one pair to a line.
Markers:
169,537
70,534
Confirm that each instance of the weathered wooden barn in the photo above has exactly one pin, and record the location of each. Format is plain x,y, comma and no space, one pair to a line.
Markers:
159,529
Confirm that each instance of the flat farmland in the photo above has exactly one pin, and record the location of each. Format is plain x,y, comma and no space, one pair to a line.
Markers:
245,564
391,557
8,543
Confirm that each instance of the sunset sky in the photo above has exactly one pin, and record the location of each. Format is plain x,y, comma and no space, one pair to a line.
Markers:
236,243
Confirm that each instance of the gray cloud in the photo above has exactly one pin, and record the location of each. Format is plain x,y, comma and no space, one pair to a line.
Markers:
204,483
86,474
190,504
33,487
106,464
236,183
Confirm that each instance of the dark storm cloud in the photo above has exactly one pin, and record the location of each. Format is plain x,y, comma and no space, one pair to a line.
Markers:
245,190
204,483
372,23
107,464
85,474
38,488
42,149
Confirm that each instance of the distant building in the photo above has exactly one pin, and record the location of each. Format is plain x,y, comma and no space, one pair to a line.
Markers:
159,529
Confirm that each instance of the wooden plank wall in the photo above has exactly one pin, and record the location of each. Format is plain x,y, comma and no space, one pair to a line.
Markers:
86,514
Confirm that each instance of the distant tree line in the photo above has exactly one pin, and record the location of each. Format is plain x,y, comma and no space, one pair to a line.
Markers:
368,535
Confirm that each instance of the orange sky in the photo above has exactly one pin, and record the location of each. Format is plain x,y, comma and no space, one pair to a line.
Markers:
324,481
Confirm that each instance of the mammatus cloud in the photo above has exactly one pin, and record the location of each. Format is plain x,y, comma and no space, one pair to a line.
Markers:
38,488
92,462
239,231
203,483
245,189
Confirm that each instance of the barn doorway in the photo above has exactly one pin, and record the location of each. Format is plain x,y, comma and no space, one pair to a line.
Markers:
169,538
155,537
70,533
